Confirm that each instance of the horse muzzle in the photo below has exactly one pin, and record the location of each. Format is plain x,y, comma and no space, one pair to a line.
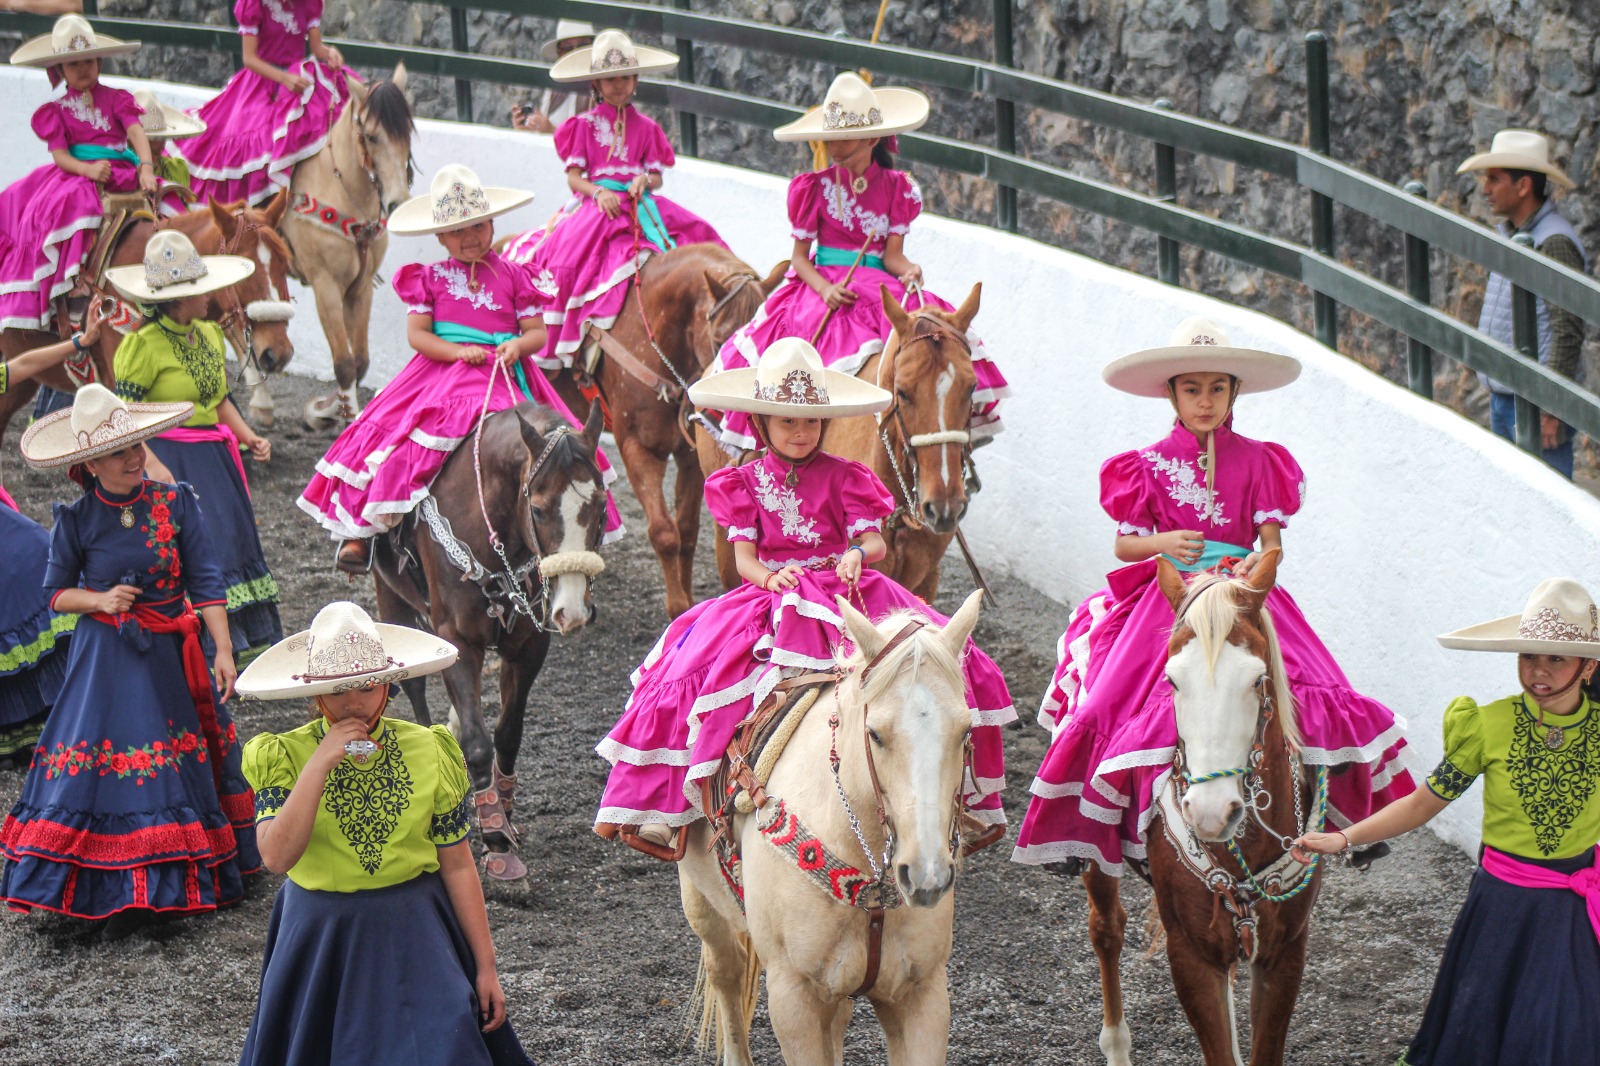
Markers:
1213,817
927,883
941,516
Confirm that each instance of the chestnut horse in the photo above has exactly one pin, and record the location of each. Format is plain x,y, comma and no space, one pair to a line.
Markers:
254,313
920,447
1226,887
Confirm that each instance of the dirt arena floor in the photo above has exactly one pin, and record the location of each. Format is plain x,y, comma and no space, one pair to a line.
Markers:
595,956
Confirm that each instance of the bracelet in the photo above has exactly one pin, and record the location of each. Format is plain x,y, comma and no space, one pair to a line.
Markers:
77,343
1344,852
146,163
766,582
856,548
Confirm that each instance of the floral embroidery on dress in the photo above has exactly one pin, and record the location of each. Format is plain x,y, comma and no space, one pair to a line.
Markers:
367,803
455,280
161,534
282,16
81,106
843,209
546,283
605,135
785,503
140,762
1128,529
1187,487
452,825
1554,786
1274,515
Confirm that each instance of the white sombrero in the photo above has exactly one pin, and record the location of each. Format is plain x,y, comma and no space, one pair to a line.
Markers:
789,380
1516,150
456,198
161,122
71,38
98,423
172,269
854,110
566,30
1560,619
1199,345
344,650
612,55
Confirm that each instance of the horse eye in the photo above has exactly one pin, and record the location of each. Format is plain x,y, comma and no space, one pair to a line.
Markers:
873,733
903,394
536,511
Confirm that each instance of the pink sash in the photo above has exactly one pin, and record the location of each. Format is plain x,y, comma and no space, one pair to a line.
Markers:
1512,871
207,434
5,498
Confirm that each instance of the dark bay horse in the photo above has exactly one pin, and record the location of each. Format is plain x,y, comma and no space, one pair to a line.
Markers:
543,495
1226,888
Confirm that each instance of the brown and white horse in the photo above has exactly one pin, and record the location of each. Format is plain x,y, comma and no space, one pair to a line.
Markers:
1226,888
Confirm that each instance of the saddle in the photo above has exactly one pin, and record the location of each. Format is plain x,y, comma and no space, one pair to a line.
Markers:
118,211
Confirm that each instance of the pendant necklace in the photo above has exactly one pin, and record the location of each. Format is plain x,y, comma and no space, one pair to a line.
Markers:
127,516
1554,735
858,182
473,284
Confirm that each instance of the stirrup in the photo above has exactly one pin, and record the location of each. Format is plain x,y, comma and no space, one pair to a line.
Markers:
980,835
1363,858
629,835
348,565
1071,866
504,866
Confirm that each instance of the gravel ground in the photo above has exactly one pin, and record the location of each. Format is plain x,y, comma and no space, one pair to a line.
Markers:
595,956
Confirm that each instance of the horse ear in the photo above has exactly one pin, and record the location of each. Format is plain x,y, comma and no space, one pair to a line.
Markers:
399,76
275,209
1170,578
1263,577
859,628
222,216
959,628
716,286
774,278
593,424
969,308
897,313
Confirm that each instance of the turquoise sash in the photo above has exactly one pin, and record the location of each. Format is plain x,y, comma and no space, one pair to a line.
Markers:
456,333
93,153
829,256
1213,553
655,230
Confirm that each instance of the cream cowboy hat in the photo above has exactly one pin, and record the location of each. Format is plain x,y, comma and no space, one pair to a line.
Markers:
612,55
455,199
1199,345
1560,619
854,110
344,650
98,423
789,380
566,30
1515,150
72,38
161,122
172,270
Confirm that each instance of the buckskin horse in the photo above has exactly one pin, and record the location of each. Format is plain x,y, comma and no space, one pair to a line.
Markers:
1227,888
531,484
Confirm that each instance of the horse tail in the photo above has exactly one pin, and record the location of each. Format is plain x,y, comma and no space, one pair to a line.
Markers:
709,1030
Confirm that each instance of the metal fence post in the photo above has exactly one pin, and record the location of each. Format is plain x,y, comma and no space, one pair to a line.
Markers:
91,8
1419,284
1324,310
458,42
688,121
1005,117
1166,192
1525,331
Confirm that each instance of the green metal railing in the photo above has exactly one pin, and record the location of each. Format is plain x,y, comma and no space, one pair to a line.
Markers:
1332,283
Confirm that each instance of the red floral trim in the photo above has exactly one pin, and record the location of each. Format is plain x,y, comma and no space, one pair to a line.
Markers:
24,906
239,807
141,888
141,762
162,531
44,839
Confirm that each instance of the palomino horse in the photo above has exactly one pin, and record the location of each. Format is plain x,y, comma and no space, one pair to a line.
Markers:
533,478
342,197
899,722
920,447
1226,887
255,323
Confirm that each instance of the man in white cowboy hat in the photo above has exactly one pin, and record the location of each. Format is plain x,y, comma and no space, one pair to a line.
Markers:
555,106
1516,175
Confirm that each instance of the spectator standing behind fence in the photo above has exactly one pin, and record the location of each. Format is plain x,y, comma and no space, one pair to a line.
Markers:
1516,178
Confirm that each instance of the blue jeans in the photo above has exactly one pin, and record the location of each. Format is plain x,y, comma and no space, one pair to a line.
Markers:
1503,420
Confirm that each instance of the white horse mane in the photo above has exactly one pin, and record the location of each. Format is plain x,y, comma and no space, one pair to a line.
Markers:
922,647
1212,614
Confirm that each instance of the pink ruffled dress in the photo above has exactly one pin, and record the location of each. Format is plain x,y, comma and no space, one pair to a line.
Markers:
49,218
256,129
824,209
380,467
586,263
1109,705
719,660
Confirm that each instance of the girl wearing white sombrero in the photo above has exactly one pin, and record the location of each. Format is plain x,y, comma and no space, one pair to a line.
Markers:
1205,498
856,212
1521,973
134,803
162,123
804,525
555,106
369,817
614,157
48,219
467,315
177,356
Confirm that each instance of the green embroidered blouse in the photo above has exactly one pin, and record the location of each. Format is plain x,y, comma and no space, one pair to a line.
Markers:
1539,802
381,822
158,364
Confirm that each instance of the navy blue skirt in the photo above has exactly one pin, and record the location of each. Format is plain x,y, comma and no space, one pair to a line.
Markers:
1520,980
235,542
33,638
381,976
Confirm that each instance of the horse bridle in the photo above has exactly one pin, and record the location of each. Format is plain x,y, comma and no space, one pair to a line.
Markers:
235,319
907,512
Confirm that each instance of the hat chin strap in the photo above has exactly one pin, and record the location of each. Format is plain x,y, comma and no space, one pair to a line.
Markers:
1211,436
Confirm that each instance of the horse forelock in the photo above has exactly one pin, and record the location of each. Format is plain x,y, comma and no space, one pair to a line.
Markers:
1213,616
389,108
923,650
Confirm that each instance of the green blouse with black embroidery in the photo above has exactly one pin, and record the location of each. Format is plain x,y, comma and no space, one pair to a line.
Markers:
163,362
1541,781
382,821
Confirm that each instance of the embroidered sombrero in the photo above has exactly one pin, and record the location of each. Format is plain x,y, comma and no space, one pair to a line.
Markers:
1559,619
1198,346
455,199
612,55
98,423
1516,150
789,380
344,650
161,122
172,269
72,38
566,30
854,110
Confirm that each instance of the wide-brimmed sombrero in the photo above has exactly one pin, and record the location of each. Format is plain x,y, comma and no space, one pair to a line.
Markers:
98,423
1518,150
344,650
172,270
853,110
1560,619
161,122
456,198
71,38
612,55
566,30
1198,346
789,380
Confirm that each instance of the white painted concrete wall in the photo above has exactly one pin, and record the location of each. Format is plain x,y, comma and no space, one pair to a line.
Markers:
1417,521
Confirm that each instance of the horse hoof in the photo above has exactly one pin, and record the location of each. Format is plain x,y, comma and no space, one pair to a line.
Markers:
263,416
504,866
322,413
